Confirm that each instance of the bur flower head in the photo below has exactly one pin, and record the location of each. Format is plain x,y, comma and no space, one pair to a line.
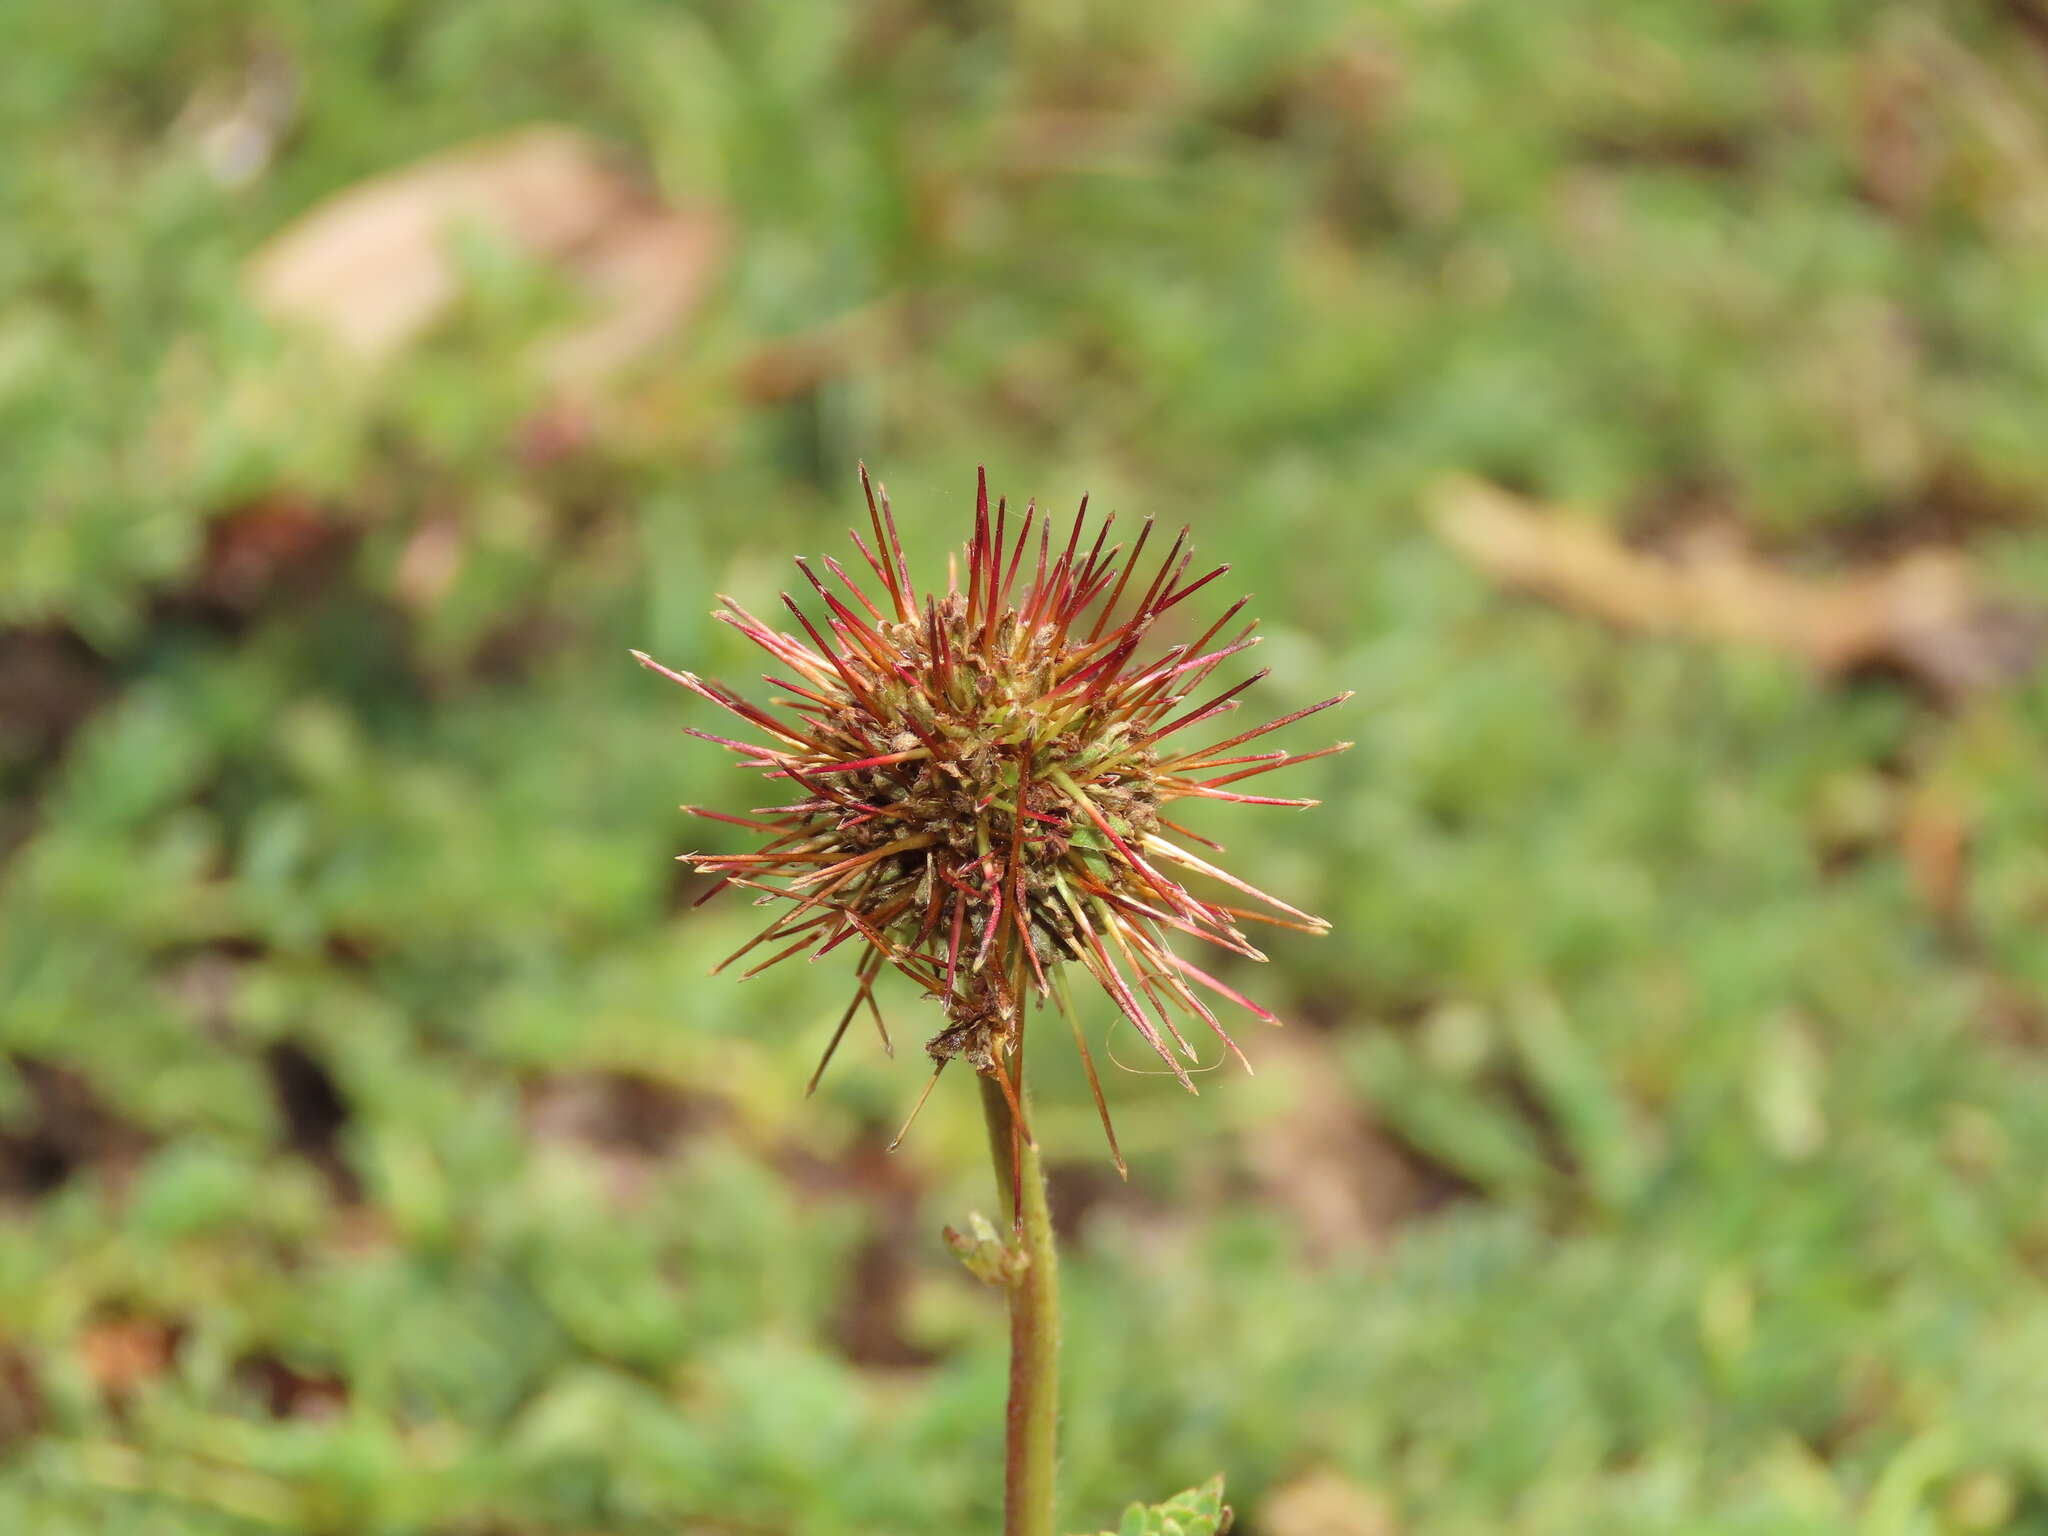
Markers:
978,785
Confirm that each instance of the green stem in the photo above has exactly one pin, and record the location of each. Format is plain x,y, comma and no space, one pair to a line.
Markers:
1032,1423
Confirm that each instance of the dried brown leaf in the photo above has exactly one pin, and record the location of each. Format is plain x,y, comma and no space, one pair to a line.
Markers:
1934,836
1923,616
1326,1504
371,267
122,1353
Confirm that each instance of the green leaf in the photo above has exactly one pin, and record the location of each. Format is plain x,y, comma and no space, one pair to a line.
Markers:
1197,1512
987,1257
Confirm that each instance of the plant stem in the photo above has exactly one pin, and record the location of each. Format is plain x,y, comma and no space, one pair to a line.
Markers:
1032,1423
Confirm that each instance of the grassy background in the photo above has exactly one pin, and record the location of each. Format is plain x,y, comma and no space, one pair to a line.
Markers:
1659,1143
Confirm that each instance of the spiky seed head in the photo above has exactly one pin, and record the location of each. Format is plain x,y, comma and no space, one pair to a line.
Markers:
978,782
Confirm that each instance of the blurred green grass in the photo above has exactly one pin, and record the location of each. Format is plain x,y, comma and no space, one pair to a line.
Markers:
1653,1152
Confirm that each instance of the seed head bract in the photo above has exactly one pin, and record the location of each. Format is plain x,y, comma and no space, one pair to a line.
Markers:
977,784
